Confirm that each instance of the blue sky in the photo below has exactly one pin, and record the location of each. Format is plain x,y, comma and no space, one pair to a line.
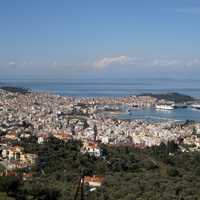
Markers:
98,37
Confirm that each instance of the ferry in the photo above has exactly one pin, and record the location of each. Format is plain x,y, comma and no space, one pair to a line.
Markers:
197,106
165,107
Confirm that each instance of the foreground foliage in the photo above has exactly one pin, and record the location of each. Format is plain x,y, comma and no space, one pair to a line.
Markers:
158,173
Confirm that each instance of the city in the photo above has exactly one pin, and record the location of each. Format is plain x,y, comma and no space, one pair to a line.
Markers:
43,115
99,100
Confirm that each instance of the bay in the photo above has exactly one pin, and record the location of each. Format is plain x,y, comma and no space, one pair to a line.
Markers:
119,87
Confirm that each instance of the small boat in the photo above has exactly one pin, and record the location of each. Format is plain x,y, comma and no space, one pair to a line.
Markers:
135,106
180,105
164,107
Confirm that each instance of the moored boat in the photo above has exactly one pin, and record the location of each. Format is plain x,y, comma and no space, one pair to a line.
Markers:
180,105
164,107
197,106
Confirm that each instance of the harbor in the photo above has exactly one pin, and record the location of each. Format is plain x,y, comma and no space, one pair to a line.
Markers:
153,114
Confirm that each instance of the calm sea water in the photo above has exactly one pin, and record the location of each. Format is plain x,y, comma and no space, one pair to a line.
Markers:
121,87
151,114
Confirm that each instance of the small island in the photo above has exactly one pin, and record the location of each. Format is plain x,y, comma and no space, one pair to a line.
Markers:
172,96
15,89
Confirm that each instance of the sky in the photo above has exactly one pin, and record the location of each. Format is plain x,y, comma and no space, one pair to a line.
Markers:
99,38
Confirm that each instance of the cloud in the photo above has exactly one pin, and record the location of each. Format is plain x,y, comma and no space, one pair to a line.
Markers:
55,64
195,61
106,61
26,63
172,62
12,64
121,64
132,62
165,62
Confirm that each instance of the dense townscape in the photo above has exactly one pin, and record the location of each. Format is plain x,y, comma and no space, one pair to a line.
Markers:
34,118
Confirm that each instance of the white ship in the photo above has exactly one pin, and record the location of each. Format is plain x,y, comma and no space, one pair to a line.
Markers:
197,106
164,107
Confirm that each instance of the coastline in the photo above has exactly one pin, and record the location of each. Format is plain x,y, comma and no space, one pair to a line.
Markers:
46,115
134,107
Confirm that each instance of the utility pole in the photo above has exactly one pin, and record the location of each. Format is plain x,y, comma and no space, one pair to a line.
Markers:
95,132
81,188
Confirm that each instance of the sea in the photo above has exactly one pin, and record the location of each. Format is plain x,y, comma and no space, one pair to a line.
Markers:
120,87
